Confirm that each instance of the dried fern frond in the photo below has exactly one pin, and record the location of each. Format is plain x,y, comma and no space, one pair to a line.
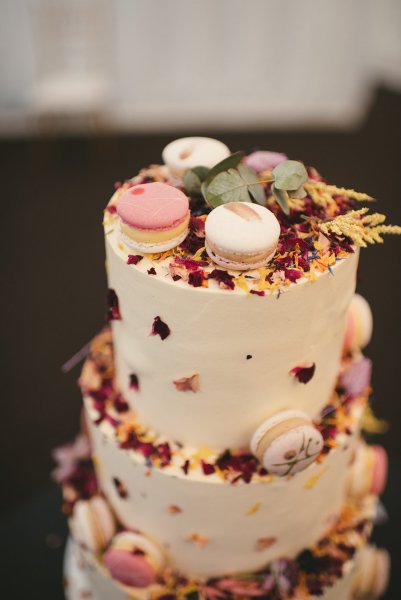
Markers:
361,228
322,193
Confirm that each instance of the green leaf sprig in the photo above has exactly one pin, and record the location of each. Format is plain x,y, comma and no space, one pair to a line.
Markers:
232,181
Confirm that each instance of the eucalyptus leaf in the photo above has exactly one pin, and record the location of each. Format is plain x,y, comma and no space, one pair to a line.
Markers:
281,197
298,193
289,175
254,187
193,179
228,186
227,163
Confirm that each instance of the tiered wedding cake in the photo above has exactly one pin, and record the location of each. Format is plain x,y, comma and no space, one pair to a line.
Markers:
221,453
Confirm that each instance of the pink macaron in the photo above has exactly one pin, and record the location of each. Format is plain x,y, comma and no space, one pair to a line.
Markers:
359,325
154,217
133,559
129,569
380,470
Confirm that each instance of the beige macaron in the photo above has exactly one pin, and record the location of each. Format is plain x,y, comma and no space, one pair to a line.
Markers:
186,153
241,235
92,523
287,443
372,573
359,325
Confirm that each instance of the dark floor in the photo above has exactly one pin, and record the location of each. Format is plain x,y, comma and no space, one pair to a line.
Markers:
52,269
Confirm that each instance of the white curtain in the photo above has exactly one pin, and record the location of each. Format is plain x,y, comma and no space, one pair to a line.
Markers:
168,64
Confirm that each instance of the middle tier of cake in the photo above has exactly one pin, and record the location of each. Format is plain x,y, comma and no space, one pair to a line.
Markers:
214,512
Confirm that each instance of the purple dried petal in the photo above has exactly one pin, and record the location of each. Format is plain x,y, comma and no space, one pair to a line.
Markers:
152,271
357,377
196,278
160,328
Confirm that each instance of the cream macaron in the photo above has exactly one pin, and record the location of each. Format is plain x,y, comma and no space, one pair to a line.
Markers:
92,523
189,152
154,217
359,325
368,471
133,559
372,573
241,235
287,443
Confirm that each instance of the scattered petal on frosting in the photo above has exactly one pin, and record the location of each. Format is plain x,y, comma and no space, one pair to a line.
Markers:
160,328
207,468
196,278
223,278
356,378
121,488
152,271
265,542
134,259
199,540
304,374
264,160
173,509
186,384
113,310
134,382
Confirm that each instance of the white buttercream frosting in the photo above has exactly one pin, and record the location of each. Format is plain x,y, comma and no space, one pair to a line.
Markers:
212,333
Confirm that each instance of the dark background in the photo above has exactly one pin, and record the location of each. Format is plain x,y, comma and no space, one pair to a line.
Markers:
52,303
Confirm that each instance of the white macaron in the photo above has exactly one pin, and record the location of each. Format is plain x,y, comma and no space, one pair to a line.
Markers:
189,152
287,443
241,235
92,523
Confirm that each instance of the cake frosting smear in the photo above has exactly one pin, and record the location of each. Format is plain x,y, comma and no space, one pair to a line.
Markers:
222,451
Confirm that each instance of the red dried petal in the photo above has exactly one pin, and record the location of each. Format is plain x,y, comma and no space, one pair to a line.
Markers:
152,271
113,309
196,278
207,468
223,278
134,382
258,292
134,259
186,384
111,209
292,274
160,328
304,374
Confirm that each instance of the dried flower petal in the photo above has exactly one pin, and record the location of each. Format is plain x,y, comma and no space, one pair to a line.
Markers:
304,374
134,259
121,488
186,384
160,328
223,278
173,509
113,310
134,382
264,543
199,540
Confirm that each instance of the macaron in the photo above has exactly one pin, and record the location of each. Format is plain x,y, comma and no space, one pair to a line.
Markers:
241,235
287,443
372,573
368,471
154,217
264,160
359,325
92,523
133,559
189,152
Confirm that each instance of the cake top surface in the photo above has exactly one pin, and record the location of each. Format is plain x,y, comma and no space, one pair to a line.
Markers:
320,224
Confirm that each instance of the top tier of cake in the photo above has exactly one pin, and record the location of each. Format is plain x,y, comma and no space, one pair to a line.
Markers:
204,355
